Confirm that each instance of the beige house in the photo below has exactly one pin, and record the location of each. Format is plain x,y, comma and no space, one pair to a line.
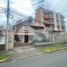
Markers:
24,33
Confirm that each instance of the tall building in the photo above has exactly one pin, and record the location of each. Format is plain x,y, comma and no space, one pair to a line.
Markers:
52,20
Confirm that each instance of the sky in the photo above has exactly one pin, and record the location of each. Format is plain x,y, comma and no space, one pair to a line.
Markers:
25,6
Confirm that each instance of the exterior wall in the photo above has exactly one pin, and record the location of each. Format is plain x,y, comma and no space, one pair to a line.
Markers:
25,30
30,38
60,38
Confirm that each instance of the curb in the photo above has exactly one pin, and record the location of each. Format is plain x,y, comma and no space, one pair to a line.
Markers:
3,60
56,50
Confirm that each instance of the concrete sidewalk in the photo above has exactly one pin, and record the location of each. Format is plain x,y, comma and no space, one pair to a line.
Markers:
24,52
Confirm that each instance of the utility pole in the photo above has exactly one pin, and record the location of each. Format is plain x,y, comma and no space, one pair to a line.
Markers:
7,28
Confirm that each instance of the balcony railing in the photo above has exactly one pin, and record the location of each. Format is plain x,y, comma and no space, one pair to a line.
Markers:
48,22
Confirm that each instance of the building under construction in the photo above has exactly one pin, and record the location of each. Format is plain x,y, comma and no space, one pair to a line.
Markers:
51,20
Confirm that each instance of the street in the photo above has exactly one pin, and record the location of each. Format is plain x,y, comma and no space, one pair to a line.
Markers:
55,59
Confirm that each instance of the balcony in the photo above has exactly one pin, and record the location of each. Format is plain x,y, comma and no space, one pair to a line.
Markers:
57,30
48,22
50,16
46,16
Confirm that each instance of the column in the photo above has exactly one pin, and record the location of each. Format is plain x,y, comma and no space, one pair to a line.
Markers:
55,21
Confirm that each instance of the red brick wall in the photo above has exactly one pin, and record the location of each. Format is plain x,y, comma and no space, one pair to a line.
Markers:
38,16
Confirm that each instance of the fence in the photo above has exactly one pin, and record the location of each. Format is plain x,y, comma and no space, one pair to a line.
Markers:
46,38
60,37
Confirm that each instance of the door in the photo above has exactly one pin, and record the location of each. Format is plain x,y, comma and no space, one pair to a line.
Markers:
26,39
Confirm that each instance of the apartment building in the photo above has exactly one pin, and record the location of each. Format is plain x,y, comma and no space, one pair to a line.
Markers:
52,20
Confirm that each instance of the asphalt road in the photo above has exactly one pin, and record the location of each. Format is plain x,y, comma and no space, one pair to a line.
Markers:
56,59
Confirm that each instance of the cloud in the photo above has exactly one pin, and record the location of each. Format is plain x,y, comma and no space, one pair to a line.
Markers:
23,6
2,4
59,6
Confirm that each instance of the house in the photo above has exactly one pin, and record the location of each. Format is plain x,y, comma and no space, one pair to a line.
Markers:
24,32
